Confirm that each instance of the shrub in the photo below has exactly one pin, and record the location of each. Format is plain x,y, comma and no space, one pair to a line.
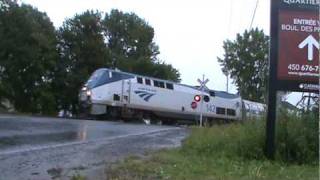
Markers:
244,140
77,176
296,139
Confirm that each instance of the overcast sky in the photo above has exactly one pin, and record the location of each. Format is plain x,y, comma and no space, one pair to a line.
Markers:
190,33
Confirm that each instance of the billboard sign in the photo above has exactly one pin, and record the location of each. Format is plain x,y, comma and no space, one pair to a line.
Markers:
298,43
294,54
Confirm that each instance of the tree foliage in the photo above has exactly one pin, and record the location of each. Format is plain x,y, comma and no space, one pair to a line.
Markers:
130,36
88,42
130,40
42,68
246,61
5,5
27,57
82,50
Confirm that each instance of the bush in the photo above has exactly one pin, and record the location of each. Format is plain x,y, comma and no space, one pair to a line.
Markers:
77,176
234,140
297,137
296,140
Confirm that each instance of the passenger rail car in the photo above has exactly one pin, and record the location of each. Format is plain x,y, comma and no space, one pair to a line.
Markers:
118,93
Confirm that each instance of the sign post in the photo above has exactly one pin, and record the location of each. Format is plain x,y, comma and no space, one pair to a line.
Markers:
294,54
203,83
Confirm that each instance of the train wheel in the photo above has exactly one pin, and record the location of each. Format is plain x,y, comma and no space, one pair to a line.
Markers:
113,113
170,122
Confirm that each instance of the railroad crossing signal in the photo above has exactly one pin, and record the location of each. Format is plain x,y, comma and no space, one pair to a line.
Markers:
203,83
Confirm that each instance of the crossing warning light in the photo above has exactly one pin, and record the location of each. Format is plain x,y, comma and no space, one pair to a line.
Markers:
197,98
193,105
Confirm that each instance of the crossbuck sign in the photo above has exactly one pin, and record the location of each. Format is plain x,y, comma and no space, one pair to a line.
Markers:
203,83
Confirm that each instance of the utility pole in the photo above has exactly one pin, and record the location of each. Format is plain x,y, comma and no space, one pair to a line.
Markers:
227,75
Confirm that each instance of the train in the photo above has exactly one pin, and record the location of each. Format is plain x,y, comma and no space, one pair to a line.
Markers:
118,94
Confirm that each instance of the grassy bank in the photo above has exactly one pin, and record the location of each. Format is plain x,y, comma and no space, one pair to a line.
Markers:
176,165
233,151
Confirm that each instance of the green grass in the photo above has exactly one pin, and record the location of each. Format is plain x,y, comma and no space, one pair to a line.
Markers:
174,164
77,177
234,152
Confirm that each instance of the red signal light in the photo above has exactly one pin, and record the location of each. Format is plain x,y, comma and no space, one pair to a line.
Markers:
197,98
193,105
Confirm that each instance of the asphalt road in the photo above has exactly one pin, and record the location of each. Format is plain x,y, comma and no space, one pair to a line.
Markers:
51,148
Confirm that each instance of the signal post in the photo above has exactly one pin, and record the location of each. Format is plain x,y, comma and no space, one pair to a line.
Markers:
203,83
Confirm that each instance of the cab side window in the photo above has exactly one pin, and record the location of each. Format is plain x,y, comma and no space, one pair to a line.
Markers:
159,84
221,110
156,83
212,93
231,112
148,82
169,86
139,80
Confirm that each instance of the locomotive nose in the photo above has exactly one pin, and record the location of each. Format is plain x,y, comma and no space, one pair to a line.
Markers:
85,94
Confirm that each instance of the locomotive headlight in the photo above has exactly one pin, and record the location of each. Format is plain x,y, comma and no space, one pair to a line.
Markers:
88,92
84,88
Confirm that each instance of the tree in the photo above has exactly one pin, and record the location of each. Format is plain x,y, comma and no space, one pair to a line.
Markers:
165,71
27,57
42,70
130,40
82,51
86,43
129,36
246,61
5,5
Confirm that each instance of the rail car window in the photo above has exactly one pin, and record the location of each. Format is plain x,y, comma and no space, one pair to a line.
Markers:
116,97
212,93
169,86
221,110
231,112
161,84
148,82
139,80
158,84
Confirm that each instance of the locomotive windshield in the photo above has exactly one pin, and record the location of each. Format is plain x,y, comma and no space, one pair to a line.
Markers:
98,78
104,76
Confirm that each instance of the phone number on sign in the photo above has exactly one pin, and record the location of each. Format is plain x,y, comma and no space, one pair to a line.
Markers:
303,68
